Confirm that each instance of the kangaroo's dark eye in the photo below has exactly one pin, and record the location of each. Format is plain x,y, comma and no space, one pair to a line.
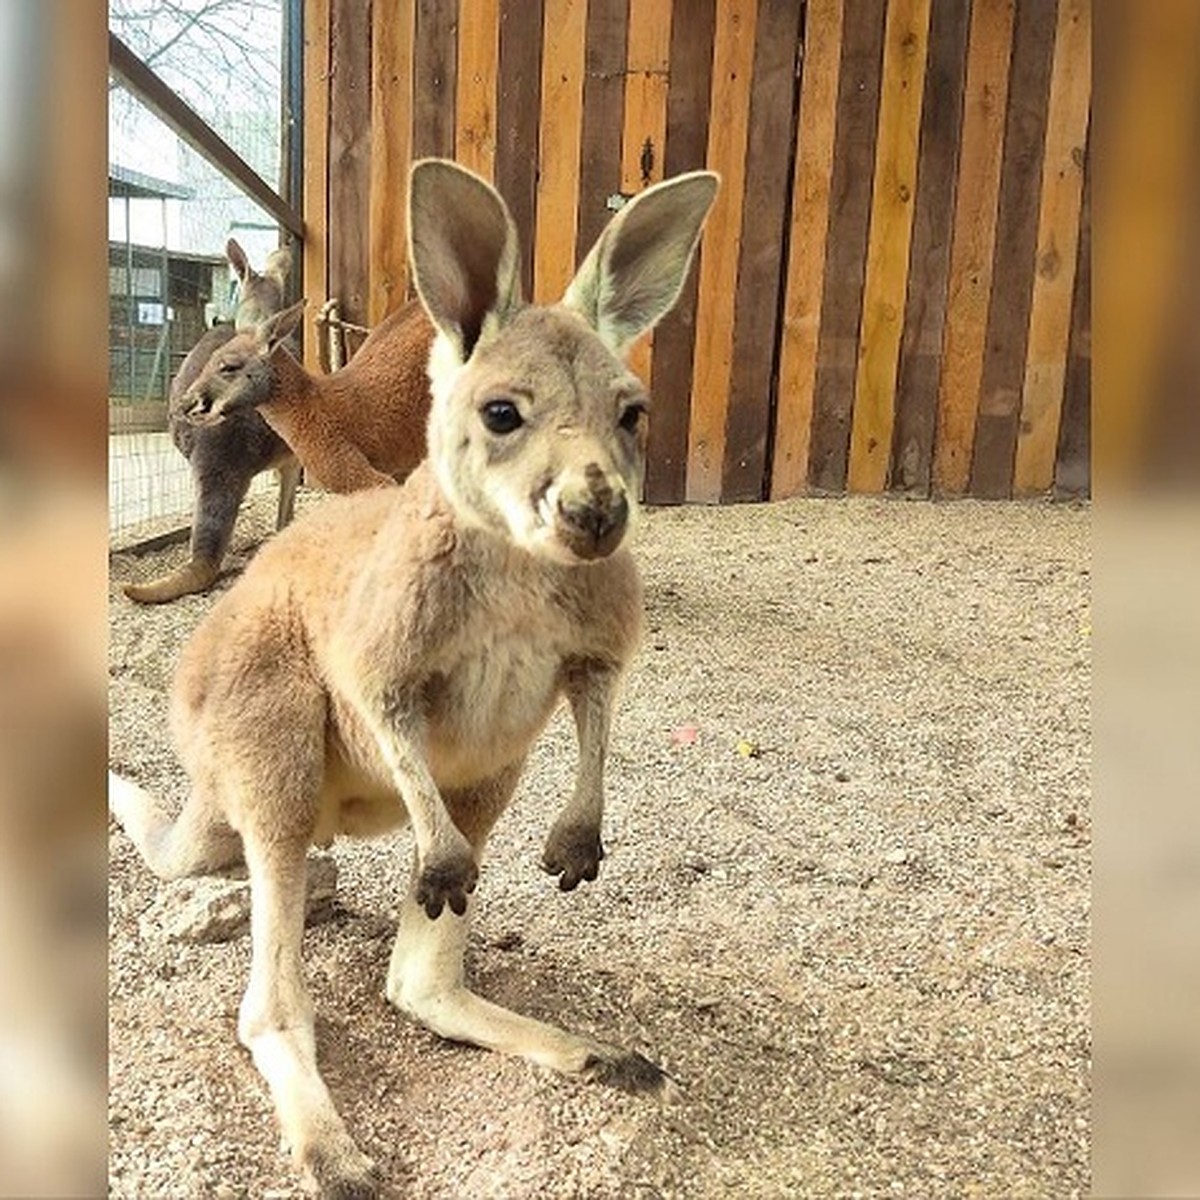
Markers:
501,416
631,417
229,368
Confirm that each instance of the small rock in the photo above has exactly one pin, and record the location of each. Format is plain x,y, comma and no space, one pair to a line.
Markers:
217,908
896,858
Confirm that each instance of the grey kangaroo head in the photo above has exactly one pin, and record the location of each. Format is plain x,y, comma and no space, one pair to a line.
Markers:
239,373
259,293
538,428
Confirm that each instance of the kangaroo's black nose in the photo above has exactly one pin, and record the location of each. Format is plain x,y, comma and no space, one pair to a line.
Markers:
593,528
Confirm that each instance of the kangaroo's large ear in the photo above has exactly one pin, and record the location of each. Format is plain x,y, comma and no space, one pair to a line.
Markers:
635,271
463,248
278,264
237,259
281,326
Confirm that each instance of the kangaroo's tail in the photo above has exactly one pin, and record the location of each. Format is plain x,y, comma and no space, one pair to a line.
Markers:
197,842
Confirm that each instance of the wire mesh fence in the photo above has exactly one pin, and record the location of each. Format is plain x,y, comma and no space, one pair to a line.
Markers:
170,216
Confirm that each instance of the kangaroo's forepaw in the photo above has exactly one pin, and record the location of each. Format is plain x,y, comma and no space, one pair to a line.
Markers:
627,1070
341,1173
573,853
447,879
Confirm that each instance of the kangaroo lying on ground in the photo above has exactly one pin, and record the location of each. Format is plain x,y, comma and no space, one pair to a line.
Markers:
224,458
358,427
393,655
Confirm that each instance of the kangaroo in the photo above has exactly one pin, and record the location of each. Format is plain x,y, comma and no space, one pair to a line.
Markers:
360,426
224,458
393,655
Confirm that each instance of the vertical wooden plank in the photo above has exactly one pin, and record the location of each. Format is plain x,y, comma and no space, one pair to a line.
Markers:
1016,246
732,73
850,205
603,113
988,57
929,262
478,54
1058,231
435,72
1072,470
563,41
646,85
691,54
645,120
350,156
806,246
518,106
905,44
316,165
764,218
391,154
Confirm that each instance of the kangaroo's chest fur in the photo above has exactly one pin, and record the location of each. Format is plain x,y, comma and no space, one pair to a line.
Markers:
451,632
487,699
478,655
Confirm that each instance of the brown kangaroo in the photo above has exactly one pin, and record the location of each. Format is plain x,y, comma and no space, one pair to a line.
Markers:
358,427
393,655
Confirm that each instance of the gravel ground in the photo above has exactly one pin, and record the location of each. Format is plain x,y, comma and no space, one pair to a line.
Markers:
858,940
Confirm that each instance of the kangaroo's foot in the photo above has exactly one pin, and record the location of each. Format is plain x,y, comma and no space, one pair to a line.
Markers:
338,1170
627,1070
196,575
425,980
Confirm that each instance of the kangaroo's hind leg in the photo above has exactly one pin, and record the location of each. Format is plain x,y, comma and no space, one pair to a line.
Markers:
220,482
425,976
276,1023
271,770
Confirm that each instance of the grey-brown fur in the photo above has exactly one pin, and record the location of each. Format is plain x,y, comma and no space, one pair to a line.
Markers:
224,458
392,657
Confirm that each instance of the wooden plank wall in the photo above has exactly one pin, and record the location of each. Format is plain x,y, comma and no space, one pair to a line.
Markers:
892,290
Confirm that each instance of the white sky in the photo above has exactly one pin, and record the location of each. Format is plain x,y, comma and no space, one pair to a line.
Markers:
227,67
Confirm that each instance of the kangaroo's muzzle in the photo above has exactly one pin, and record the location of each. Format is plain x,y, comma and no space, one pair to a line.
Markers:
198,409
591,520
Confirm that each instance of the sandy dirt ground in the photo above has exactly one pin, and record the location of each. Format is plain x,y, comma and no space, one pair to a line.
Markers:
861,949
